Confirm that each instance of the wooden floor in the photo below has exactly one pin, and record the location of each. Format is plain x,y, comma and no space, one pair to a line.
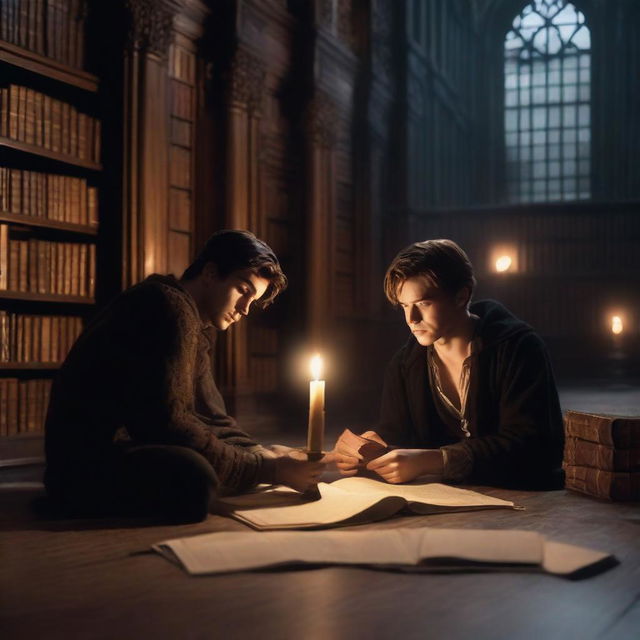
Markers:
97,579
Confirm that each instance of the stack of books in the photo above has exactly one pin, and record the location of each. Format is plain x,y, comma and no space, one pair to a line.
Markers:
602,455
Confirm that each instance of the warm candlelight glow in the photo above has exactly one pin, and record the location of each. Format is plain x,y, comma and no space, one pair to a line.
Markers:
616,324
316,367
503,263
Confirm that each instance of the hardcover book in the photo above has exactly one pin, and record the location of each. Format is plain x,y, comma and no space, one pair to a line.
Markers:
589,454
622,432
350,501
603,484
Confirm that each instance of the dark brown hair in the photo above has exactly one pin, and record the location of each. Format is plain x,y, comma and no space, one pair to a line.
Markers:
234,249
443,262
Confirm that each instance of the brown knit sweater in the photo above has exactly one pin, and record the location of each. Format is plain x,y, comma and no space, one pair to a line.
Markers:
142,367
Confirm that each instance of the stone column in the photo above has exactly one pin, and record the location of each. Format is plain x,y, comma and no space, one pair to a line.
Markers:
322,122
245,95
146,138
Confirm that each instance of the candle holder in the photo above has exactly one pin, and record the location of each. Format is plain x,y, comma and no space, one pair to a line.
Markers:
313,493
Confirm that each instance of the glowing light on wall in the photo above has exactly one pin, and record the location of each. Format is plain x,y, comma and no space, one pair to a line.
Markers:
503,263
616,325
503,258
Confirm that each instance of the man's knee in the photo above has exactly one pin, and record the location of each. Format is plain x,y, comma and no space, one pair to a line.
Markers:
171,481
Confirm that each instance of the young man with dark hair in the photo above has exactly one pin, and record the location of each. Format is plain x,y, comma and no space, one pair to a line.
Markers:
471,396
136,423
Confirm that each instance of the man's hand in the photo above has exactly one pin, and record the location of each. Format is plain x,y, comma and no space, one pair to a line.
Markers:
299,474
349,459
403,465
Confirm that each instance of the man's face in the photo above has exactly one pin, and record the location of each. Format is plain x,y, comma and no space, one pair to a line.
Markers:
430,313
226,300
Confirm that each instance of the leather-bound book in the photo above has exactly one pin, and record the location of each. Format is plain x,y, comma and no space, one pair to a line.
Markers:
589,454
603,484
622,432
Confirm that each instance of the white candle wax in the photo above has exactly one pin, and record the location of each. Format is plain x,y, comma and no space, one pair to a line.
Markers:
315,435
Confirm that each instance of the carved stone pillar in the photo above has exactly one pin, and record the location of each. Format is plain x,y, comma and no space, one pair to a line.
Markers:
322,119
245,94
146,118
246,90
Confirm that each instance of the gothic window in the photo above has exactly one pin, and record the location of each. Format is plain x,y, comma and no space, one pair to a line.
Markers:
547,104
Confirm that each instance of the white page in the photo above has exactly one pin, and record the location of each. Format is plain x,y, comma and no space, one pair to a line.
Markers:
334,506
564,559
483,545
431,493
351,500
238,551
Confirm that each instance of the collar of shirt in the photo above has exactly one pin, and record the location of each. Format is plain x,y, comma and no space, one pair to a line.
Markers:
463,383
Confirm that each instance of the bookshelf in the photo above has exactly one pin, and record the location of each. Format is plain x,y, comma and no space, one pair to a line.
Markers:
50,175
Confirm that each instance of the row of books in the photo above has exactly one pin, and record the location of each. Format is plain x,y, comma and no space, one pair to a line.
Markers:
35,118
36,338
47,267
23,405
49,196
53,28
602,455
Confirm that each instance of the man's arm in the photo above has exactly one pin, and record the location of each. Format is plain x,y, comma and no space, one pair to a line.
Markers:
156,344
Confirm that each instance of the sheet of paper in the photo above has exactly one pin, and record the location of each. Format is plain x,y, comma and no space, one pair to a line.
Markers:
239,551
565,559
483,545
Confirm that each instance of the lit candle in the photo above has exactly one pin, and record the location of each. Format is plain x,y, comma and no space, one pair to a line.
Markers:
616,325
316,407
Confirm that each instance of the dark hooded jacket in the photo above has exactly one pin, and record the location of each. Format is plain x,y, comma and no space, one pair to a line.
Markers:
141,372
512,407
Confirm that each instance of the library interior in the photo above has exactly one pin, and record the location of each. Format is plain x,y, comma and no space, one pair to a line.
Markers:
339,133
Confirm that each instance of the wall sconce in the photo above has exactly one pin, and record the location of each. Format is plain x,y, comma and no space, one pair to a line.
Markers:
504,259
617,326
503,263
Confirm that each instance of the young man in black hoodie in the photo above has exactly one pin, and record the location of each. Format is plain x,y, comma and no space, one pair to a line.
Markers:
136,424
471,396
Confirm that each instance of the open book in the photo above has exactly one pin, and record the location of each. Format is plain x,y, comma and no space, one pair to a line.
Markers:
350,501
424,549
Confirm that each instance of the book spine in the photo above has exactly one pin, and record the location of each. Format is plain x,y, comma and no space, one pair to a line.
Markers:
623,433
4,256
602,484
92,271
589,454
24,266
4,408
55,339
5,338
46,121
13,418
22,113
4,112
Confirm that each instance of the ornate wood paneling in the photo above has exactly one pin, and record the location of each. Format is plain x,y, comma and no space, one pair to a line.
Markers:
576,266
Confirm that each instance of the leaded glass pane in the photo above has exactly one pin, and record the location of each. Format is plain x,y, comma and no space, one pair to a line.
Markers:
547,103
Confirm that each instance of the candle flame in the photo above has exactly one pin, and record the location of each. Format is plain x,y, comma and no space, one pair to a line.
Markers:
616,324
503,263
316,367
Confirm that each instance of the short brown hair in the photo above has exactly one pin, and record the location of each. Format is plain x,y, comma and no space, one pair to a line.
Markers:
234,249
443,262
